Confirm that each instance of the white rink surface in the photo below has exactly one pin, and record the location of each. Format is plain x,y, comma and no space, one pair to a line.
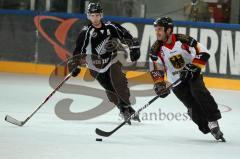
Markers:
46,136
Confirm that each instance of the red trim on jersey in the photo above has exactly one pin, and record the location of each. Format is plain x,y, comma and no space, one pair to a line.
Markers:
170,46
185,47
199,61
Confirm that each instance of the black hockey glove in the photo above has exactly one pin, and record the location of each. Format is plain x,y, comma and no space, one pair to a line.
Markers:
160,89
74,66
190,72
134,50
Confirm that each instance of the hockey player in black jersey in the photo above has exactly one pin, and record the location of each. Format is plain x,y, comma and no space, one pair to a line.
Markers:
94,43
181,56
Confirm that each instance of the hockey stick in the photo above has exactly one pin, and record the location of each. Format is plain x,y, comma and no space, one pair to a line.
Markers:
21,123
107,134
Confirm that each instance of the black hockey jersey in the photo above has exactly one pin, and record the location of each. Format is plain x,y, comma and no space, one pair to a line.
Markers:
100,42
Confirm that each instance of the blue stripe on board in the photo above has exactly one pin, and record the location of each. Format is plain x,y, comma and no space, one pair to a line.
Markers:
121,19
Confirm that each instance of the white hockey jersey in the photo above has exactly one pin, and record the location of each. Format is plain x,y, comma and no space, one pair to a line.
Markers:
173,57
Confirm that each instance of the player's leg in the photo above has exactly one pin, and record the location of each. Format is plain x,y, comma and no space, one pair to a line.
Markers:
182,92
103,79
120,99
208,104
206,100
120,86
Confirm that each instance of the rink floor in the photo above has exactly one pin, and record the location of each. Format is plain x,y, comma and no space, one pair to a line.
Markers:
46,136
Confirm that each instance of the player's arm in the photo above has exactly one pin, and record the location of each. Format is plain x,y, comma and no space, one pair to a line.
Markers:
202,54
123,35
192,70
78,54
157,71
156,66
81,42
126,38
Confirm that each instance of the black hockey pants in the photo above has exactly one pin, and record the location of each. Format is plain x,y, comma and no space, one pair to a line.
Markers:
201,106
115,83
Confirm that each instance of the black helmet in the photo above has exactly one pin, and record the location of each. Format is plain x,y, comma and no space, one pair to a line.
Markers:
94,8
166,22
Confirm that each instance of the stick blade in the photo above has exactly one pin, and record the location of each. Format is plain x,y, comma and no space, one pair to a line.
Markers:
223,139
102,133
13,121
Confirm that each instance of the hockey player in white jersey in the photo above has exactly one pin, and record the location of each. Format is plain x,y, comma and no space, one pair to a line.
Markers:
181,56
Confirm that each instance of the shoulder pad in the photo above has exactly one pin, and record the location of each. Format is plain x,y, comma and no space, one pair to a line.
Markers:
186,39
108,22
85,28
156,46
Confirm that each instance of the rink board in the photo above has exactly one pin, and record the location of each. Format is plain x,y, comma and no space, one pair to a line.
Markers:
38,52
142,77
